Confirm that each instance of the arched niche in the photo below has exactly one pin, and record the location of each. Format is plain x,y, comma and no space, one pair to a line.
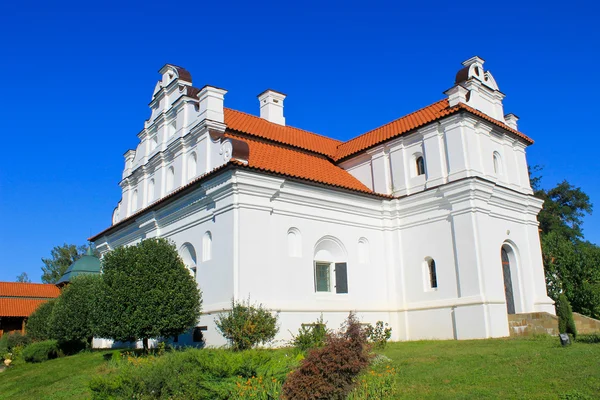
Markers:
188,255
294,242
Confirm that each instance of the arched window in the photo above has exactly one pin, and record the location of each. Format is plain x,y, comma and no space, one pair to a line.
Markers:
420,165
330,268
206,246
191,166
506,253
188,255
363,250
170,179
134,201
497,163
150,191
294,241
431,273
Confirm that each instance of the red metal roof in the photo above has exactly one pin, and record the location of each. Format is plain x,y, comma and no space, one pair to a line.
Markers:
19,307
30,290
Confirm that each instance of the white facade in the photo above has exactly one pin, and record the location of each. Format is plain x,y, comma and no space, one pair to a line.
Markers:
422,253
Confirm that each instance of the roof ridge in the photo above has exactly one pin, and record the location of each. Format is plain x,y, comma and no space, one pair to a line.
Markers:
286,126
394,120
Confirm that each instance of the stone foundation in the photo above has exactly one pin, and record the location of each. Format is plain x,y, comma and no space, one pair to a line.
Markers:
586,325
532,323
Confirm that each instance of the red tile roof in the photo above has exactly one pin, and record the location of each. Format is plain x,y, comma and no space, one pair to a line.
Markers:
19,307
409,123
30,290
283,160
259,127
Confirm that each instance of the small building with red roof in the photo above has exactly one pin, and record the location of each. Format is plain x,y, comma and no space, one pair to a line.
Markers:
19,300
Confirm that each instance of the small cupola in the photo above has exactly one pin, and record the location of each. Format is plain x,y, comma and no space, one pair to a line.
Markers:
477,88
271,106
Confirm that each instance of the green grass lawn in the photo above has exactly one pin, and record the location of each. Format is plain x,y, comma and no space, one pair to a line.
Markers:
62,378
477,369
495,369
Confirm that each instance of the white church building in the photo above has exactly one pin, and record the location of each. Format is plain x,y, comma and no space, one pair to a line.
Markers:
427,223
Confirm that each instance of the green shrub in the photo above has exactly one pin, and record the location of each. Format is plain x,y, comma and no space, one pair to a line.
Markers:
592,338
41,351
566,323
246,325
256,388
38,323
72,319
379,334
376,385
10,341
191,374
310,336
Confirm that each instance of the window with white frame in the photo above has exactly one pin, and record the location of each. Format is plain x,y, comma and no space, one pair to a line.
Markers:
330,269
150,191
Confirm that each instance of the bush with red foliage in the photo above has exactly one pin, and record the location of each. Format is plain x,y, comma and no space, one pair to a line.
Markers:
329,372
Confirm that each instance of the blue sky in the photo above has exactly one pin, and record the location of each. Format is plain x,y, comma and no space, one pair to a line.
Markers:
77,79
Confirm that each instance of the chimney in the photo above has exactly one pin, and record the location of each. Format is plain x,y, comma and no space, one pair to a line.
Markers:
511,120
211,103
271,106
456,94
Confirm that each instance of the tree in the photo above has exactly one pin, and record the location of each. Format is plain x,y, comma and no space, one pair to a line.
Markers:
38,323
61,258
564,208
147,293
23,278
72,318
570,263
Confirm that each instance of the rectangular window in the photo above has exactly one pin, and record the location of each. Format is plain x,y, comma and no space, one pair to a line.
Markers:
341,278
322,277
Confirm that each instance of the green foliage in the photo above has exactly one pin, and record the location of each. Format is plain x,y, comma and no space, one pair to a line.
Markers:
23,278
147,292
72,318
379,334
572,268
574,395
10,341
246,325
256,388
590,338
566,323
564,208
310,336
38,324
192,374
41,351
570,263
376,384
61,257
